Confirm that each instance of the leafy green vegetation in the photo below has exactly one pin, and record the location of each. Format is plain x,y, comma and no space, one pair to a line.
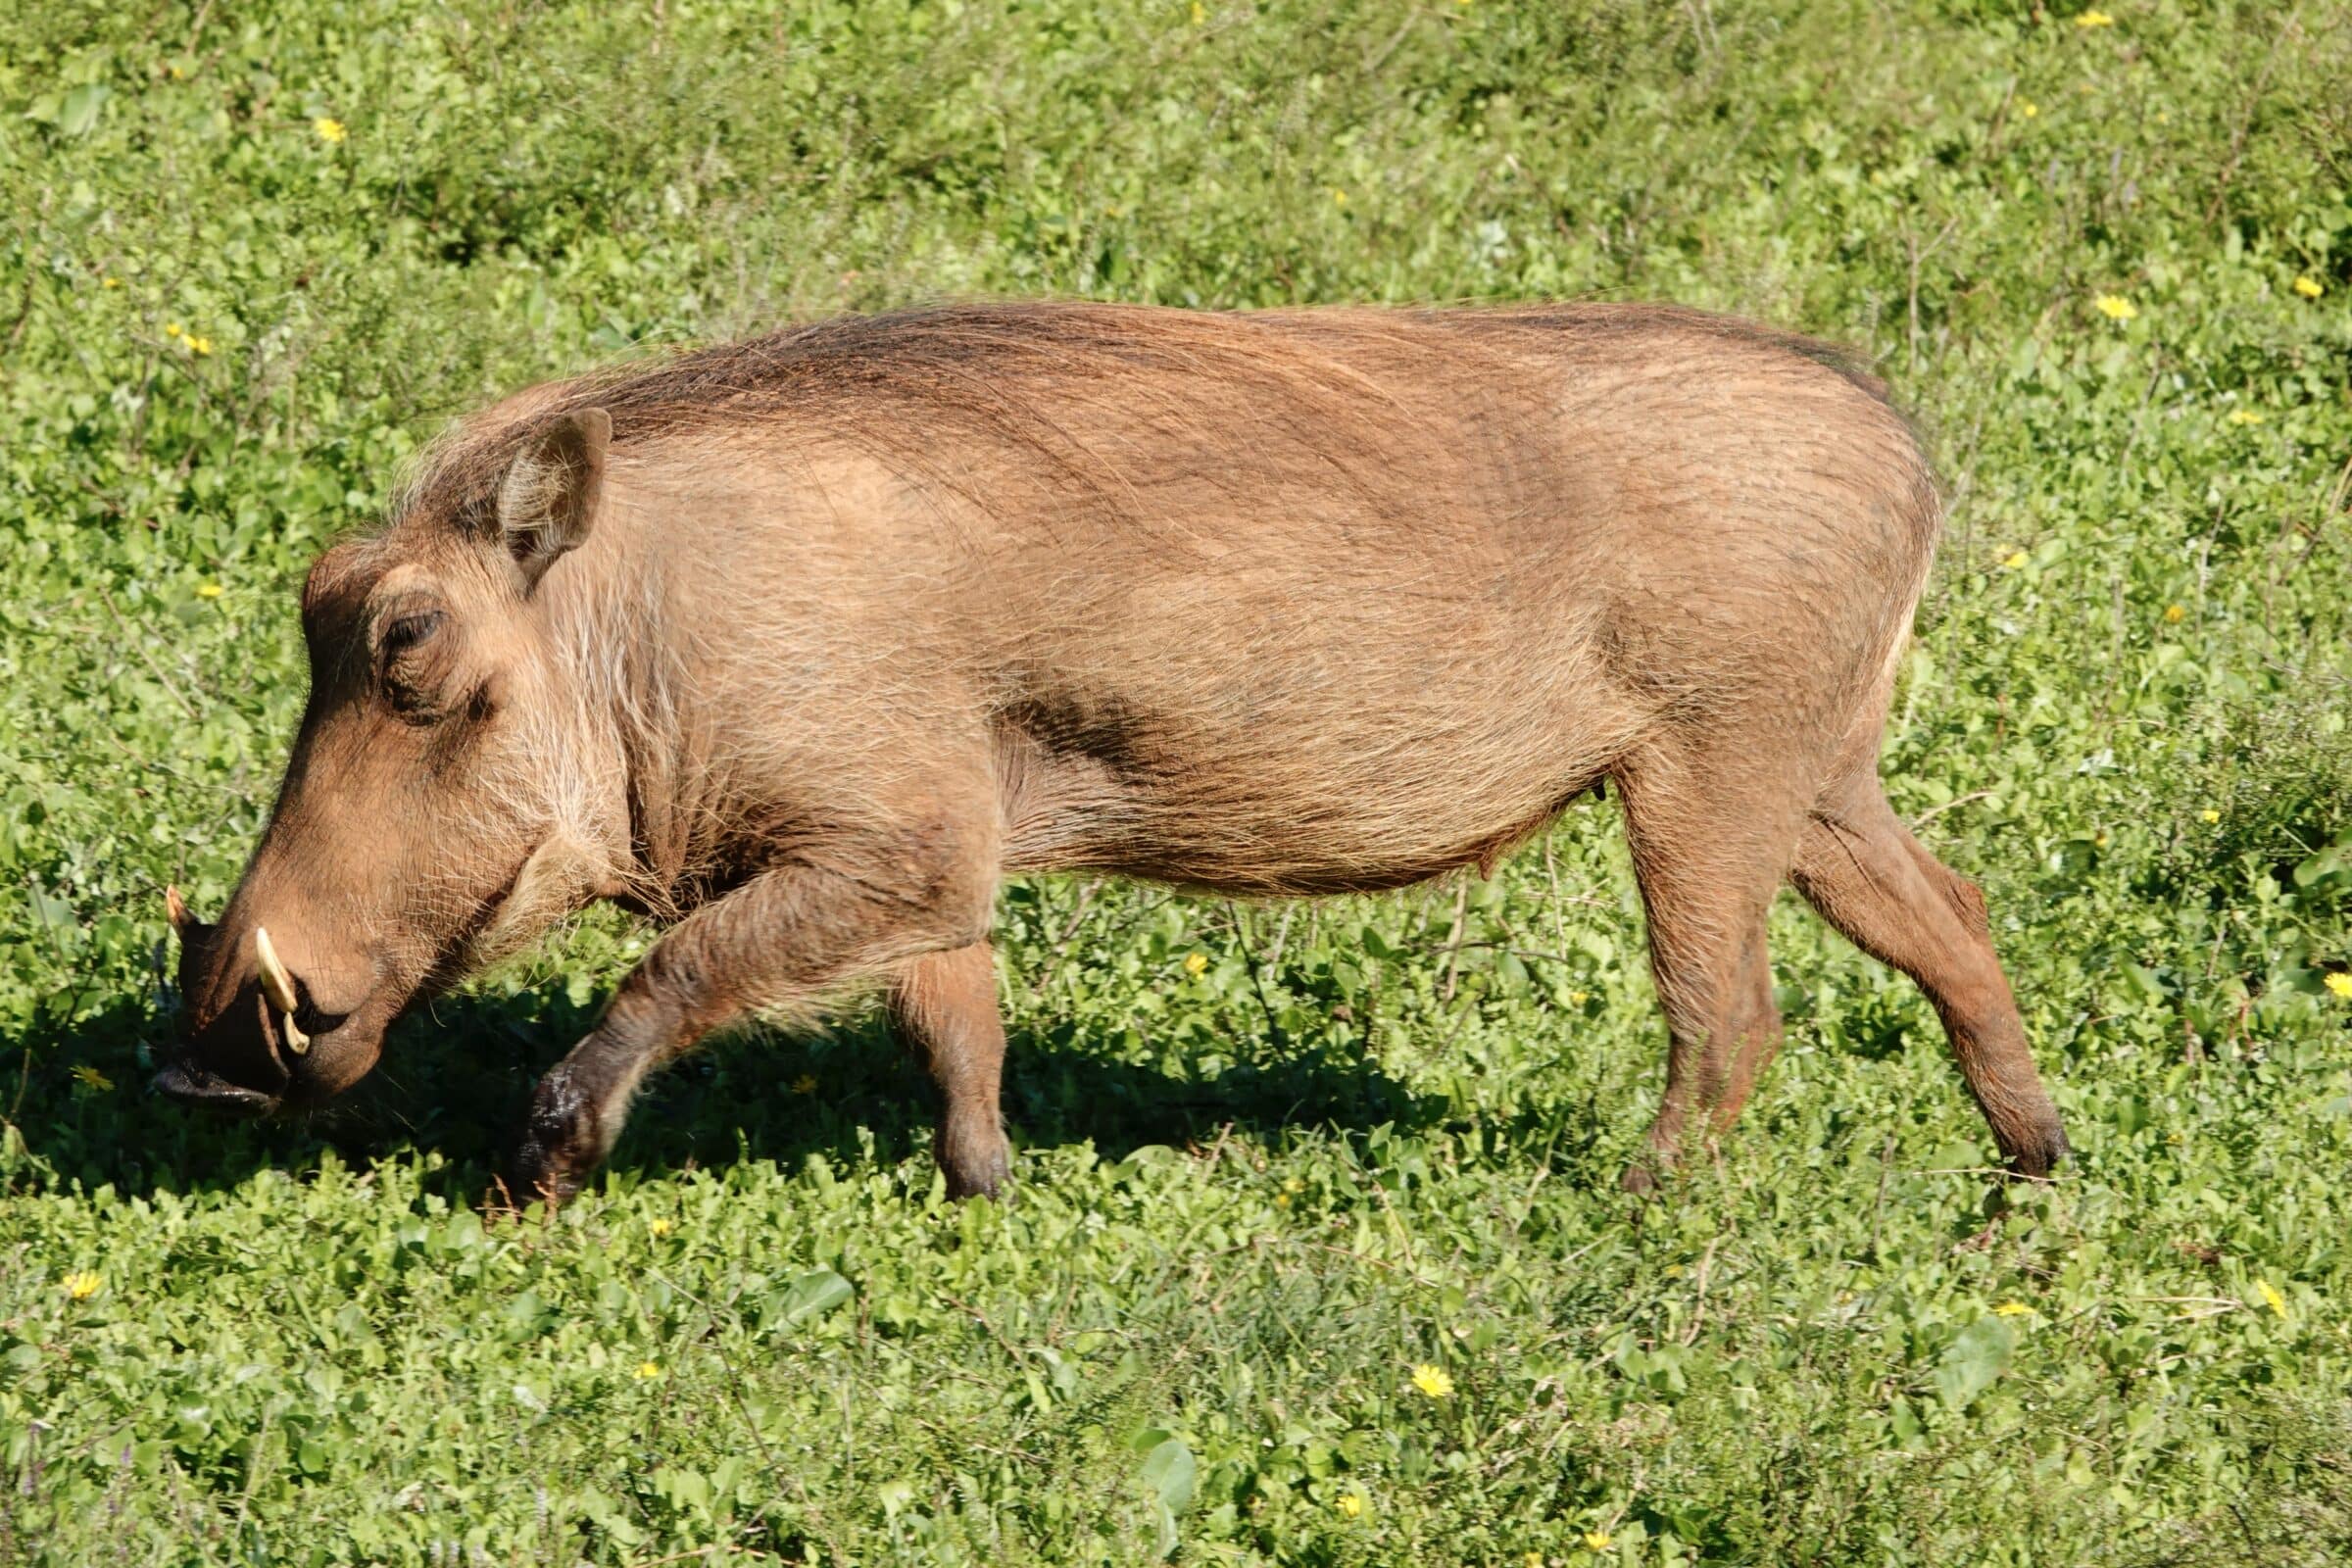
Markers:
1273,1159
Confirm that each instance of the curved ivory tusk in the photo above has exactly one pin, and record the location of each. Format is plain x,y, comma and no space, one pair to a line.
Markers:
275,981
175,908
278,986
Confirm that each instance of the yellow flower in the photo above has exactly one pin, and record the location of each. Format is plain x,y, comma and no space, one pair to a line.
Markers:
1200,13
2173,615
1195,962
110,282
2115,308
1339,198
178,71
331,132
659,1227
172,329
210,590
198,345
1597,1541
81,1287
1348,1504
2339,985
2271,1296
2310,287
1534,1559
91,1076
1576,999
2094,19
645,1370
2208,814
804,1085
2245,416
2011,1309
2015,559
1432,1381
2027,107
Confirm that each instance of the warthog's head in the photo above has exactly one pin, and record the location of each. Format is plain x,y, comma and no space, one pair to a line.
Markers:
448,796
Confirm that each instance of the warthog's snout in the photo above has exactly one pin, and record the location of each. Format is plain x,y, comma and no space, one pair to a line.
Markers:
262,1035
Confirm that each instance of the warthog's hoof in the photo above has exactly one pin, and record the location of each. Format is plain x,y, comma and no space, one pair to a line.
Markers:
2040,1152
976,1167
559,1146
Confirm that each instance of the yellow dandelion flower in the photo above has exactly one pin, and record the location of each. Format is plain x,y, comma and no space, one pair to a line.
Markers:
1432,1381
2027,109
1339,198
173,329
804,1084
2011,1309
2208,814
659,1226
328,130
2175,614
199,346
1282,1199
1576,999
177,70
2271,1296
91,1077
210,590
110,281
82,1286
2246,417
1200,13
2339,986
2094,19
1196,963
1348,1504
2015,559
2310,287
2115,308
1597,1541
647,1370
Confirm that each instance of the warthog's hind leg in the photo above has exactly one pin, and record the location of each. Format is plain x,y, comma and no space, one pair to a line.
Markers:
1870,879
945,1006
1712,836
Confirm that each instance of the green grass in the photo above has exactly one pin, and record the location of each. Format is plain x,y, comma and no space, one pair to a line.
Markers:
1370,1134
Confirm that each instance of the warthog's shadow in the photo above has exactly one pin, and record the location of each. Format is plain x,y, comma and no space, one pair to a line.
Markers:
455,1079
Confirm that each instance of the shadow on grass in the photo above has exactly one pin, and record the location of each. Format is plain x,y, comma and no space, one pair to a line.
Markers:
456,1077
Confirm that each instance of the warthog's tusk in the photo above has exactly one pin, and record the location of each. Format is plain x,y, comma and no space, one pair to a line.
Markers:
175,910
278,986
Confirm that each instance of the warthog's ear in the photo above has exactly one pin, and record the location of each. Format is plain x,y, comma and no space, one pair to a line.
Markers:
547,502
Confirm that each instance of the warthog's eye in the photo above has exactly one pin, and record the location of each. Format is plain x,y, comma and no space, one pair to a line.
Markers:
408,631
405,664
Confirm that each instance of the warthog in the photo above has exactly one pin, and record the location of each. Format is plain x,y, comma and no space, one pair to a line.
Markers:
804,644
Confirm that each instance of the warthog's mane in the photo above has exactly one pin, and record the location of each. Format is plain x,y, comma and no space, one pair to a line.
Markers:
1018,378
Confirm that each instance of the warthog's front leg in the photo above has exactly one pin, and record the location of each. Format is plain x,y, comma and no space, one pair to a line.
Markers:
785,937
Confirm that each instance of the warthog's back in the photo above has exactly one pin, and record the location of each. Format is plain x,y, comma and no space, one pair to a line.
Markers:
1294,601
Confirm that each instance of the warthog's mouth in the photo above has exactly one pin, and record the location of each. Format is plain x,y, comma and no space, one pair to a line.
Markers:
191,1085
